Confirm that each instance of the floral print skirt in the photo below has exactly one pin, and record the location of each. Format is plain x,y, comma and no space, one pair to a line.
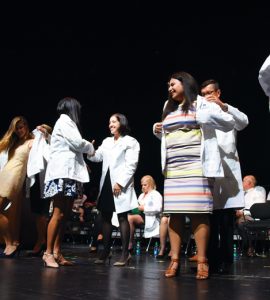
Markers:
65,187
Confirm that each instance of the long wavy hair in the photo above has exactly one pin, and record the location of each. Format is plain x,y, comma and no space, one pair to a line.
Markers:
191,92
11,140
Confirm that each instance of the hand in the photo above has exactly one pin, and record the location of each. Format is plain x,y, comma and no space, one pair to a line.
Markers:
117,189
158,127
215,98
239,213
43,130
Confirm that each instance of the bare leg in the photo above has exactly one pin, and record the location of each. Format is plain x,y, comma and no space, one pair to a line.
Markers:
62,227
55,223
163,232
133,221
176,226
200,227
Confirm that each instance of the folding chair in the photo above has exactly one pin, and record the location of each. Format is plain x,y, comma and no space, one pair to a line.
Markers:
259,229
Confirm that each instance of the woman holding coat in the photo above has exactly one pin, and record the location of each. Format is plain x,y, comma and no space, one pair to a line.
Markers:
119,154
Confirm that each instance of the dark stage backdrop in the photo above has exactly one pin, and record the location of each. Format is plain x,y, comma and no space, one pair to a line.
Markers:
122,65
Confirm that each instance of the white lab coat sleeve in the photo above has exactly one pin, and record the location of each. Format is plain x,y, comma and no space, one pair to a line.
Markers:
210,114
264,76
241,119
73,137
97,155
3,159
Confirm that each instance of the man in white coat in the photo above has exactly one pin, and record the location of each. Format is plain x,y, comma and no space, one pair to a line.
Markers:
228,190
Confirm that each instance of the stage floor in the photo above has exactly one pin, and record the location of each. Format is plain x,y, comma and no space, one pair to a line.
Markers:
27,278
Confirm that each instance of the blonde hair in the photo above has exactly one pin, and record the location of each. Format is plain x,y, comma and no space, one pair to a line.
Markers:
47,128
10,140
150,180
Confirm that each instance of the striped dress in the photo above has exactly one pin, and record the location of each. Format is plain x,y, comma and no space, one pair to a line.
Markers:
186,190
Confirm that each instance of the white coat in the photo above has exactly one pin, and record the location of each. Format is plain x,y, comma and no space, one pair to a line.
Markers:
121,158
228,191
37,161
210,117
264,77
152,202
66,152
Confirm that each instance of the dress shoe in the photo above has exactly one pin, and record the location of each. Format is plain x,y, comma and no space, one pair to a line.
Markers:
13,254
103,258
59,258
123,263
49,261
173,269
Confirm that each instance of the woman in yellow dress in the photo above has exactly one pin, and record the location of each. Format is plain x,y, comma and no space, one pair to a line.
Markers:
14,150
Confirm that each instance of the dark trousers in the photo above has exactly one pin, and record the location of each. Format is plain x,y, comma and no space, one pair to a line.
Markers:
220,247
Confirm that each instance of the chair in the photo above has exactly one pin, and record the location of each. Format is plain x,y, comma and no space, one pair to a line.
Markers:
259,228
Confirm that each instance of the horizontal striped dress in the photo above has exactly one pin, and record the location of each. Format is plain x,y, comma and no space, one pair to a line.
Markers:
186,190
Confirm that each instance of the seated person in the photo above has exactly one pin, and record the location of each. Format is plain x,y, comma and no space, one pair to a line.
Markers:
85,210
253,194
149,205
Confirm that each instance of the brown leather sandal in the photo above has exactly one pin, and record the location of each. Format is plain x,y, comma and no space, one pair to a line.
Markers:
202,270
172,271
59,258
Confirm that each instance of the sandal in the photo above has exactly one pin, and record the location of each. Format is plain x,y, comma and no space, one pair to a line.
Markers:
202,270
172,271
59,258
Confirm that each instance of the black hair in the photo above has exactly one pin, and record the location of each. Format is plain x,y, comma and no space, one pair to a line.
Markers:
124,127
71,107
191,92
210,81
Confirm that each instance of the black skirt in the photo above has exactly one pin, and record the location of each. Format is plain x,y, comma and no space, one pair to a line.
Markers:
106,201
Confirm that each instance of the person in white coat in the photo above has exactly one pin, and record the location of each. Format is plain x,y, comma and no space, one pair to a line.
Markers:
36,168
65,174
119,155
190,159
228,190
148,211
264,77
253,194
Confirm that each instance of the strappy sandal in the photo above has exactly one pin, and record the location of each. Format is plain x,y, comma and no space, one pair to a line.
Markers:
172,271
202,270
59,258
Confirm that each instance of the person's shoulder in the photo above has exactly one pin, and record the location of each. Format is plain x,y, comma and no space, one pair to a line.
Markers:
156,192
130,139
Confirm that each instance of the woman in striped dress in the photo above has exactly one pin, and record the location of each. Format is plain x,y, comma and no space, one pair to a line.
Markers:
187,190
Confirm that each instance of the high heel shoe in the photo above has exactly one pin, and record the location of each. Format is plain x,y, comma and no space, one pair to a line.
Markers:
102,259
16,252
172,271
59,258
202,269
49,261
123,263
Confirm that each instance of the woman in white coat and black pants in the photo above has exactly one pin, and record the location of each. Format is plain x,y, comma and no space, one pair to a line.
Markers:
65,174
119,154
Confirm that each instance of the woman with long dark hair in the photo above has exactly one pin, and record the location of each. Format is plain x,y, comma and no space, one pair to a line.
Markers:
65,174
190,159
